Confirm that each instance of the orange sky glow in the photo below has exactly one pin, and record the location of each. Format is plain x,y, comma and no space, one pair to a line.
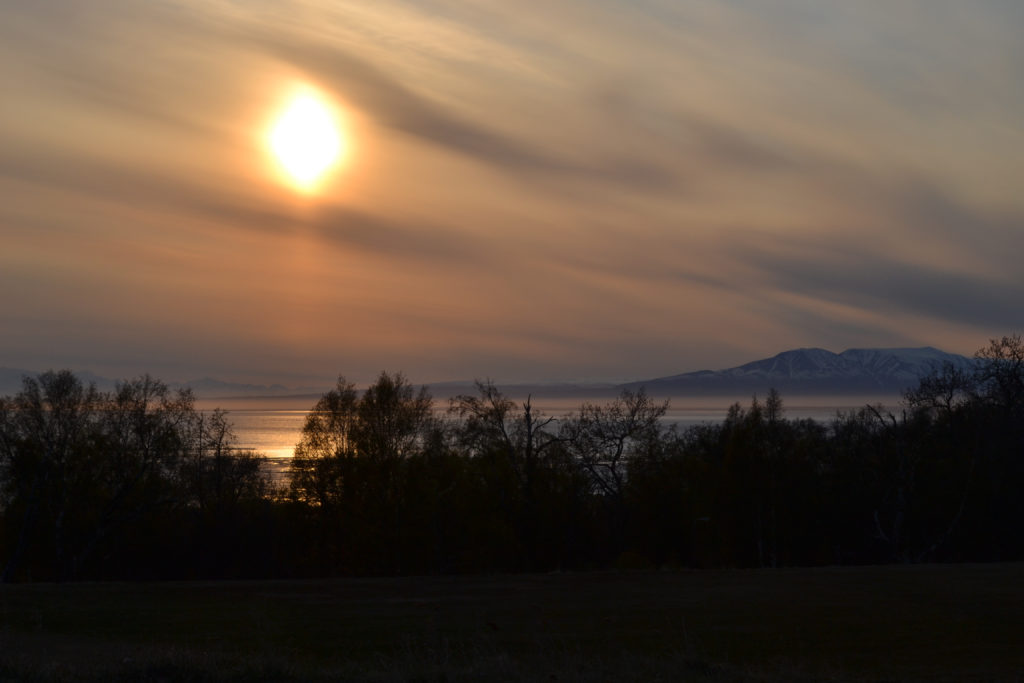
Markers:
525,191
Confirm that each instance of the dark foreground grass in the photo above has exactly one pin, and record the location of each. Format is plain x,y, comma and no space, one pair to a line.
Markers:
954,622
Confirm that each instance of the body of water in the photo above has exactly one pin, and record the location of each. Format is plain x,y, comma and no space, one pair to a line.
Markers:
273,426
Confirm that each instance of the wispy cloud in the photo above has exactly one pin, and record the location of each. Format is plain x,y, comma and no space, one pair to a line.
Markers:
536,190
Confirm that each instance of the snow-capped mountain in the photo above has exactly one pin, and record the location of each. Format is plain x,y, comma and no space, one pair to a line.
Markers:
815,371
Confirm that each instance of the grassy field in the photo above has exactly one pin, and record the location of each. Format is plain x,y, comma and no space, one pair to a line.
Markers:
844,624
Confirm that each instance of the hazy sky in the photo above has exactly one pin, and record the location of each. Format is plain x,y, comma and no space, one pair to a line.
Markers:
559,189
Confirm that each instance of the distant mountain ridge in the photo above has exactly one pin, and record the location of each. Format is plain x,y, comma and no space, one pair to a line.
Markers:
815,371
11,383
798,371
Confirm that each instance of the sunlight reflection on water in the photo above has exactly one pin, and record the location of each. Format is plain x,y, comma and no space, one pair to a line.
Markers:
273,426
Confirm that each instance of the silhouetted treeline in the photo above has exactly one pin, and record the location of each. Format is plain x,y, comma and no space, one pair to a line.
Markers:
136,483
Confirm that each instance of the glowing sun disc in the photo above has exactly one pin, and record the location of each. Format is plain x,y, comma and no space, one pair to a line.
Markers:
305,140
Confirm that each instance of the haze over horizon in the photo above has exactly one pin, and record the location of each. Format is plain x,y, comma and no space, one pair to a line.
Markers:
546,191
921,361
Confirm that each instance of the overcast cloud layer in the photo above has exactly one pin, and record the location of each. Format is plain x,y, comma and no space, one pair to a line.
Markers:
535,190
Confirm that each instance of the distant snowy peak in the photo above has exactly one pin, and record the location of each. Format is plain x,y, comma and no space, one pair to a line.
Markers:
910,364
906,365
799,363
816,371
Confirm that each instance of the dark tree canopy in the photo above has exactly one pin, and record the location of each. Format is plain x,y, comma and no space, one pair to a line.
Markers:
80,468
138,483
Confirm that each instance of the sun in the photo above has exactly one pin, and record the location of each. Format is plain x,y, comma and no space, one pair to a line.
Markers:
305,140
